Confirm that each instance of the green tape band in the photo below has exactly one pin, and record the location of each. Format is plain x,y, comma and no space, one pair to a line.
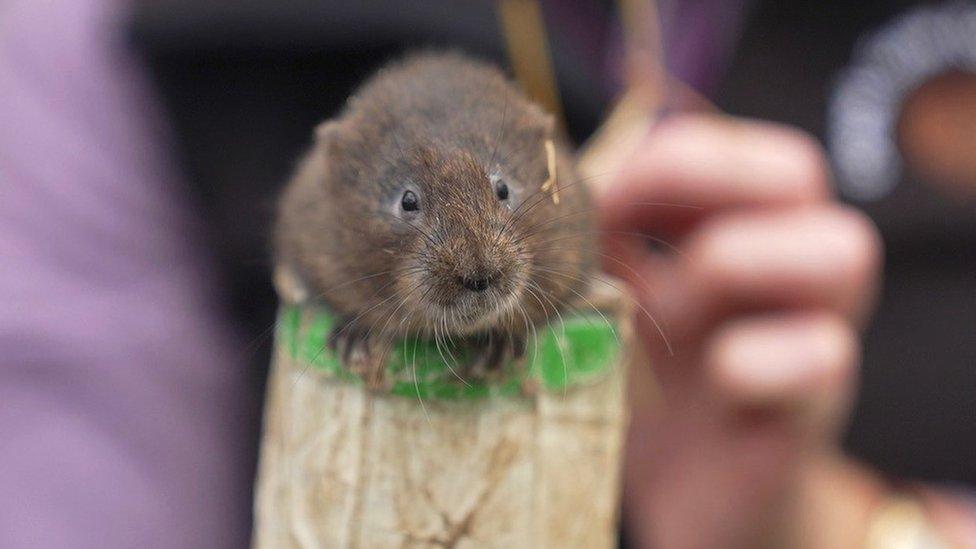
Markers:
575,351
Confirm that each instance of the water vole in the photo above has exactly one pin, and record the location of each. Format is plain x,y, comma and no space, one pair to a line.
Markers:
440,203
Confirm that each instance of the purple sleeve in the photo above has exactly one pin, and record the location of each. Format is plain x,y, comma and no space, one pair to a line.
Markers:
121,420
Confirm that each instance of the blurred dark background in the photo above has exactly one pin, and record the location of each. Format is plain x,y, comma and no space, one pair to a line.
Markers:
245,82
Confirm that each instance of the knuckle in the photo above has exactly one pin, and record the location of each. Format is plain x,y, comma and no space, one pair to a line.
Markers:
862,244
838,341
811,169
680,127
705,253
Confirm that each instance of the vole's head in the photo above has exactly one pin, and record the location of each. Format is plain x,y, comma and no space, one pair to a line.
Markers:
432,189
443,219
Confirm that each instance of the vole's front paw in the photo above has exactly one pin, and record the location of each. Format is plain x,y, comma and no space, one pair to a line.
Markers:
491,354
360,354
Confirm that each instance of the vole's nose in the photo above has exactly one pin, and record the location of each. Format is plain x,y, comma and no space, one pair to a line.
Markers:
478,283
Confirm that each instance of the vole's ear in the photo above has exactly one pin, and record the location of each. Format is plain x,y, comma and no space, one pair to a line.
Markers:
289,285
327,136
540,124
548,125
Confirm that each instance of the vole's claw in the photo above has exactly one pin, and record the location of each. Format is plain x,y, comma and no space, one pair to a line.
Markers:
518,347
333,341
359,354
493,353
489,359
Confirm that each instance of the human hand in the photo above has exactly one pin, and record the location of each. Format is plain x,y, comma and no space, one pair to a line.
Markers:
757,295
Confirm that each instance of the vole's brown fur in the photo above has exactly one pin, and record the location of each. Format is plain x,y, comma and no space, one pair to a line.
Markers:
447,129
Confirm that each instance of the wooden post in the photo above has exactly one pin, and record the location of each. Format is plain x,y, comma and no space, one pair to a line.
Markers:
479,465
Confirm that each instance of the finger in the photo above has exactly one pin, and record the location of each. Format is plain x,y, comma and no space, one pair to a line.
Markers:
776,387
693,165
822,257
799,366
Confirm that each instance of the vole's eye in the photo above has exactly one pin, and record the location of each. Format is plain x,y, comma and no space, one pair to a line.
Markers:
410,202
501,190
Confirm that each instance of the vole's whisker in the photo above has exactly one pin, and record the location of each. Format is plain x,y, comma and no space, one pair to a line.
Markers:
589,304
440,341
535,333
389,317
627,296
363,313
360,279
559,346
416,382
540,196
571,235
426,236
530,329
456,362
646,286
537,228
